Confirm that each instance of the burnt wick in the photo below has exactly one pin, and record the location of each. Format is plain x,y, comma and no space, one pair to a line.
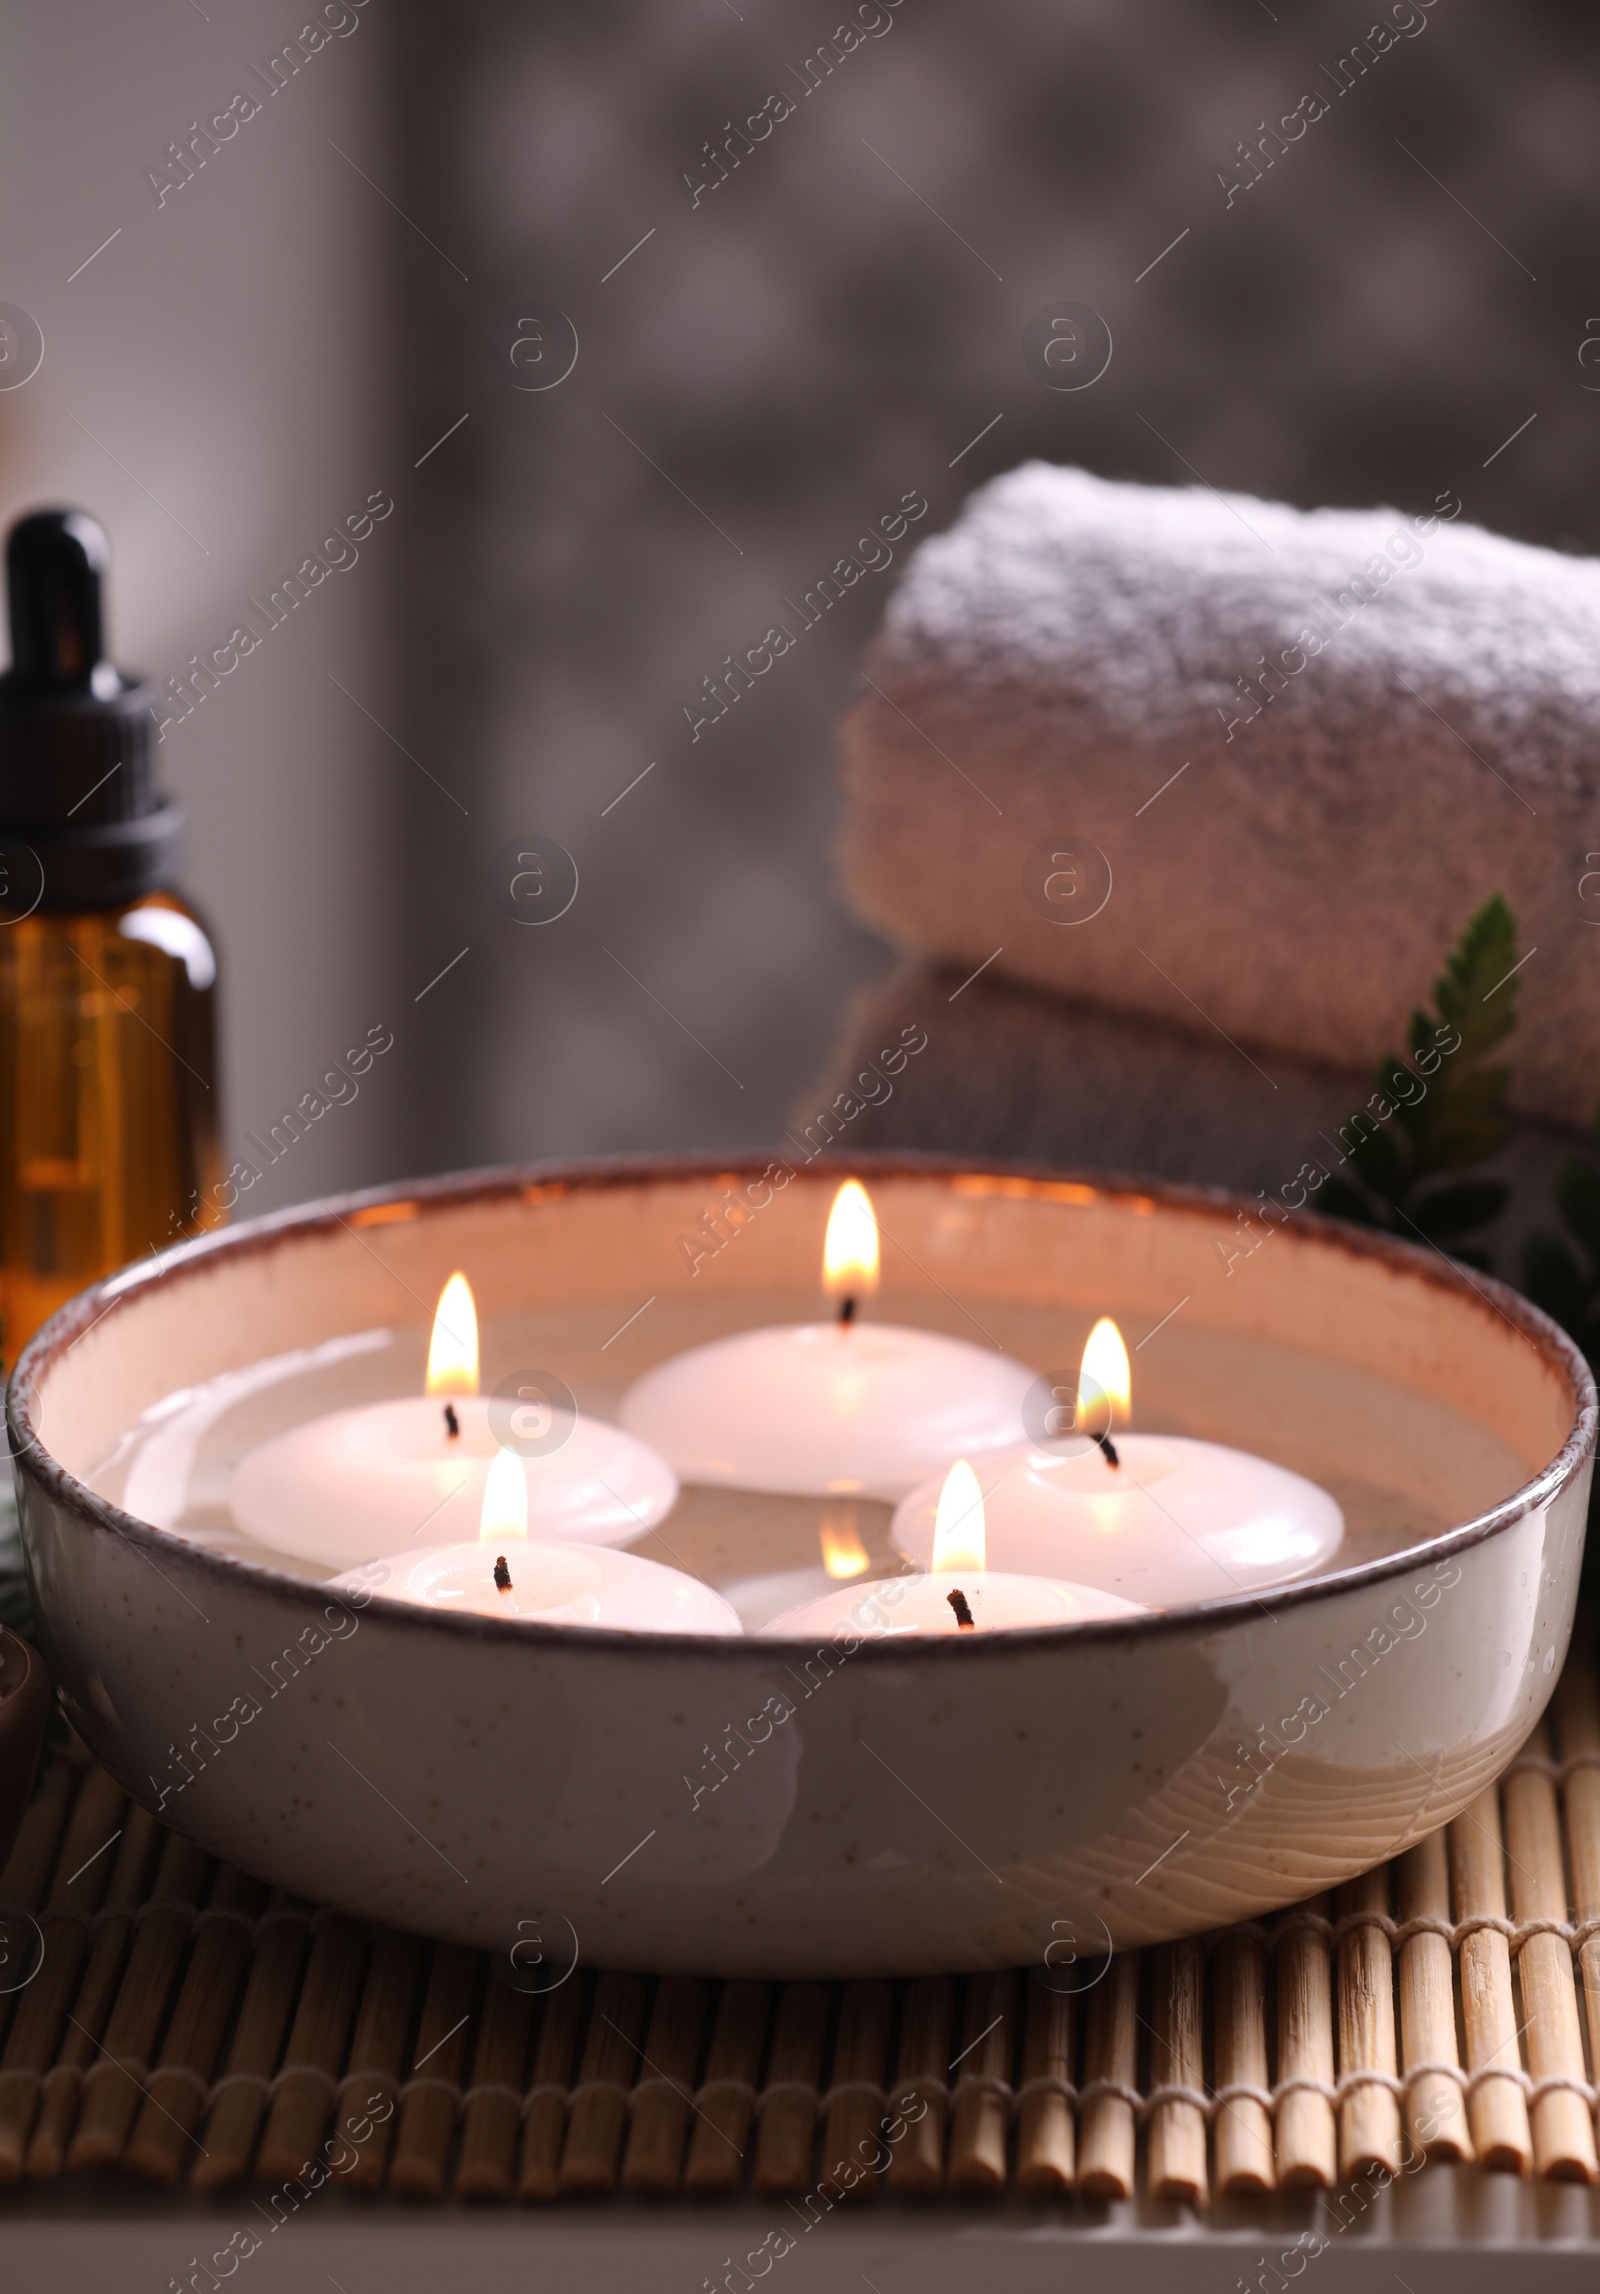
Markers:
847,1310
502,1575
958,1601
452,1424
1108,1449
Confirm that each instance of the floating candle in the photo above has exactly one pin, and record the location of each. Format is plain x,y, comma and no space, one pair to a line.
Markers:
1159,1518
845,1408
842,1556
959,1594
360,1482
505,1573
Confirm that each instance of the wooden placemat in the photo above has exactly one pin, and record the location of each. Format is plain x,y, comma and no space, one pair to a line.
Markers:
184,2022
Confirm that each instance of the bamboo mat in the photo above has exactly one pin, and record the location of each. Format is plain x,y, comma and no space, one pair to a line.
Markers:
186,2023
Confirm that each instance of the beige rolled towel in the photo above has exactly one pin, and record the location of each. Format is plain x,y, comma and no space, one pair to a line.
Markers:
1300,746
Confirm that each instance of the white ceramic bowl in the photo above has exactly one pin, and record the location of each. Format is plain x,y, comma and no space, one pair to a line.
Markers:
751,1807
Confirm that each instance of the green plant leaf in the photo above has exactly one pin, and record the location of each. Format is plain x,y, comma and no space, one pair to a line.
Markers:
1339,1200
1475,992
1378,1162
1445,1212
1446,1105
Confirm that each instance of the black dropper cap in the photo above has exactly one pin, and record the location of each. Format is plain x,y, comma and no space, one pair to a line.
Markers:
83,823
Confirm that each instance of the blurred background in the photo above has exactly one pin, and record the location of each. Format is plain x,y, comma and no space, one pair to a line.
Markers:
778,336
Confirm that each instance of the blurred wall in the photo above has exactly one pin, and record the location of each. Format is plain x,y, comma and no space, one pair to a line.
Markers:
777,347
799,289
215,388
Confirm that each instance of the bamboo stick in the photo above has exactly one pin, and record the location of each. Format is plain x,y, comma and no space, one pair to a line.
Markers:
599,2107
369,2092
1243,2126
980,2115
26,1876
1307,2133
83,1873
1563,2125
111,2086
428,2115
1497,2110
239,2100
488,2163
927,2018
539,2175
787,2118
175,2094
1577,1707
1107,2133
725,2105
1436,2111
1177,2162
1369,2116
136,1855
662,2100
1047,2136
851,2144
304,2088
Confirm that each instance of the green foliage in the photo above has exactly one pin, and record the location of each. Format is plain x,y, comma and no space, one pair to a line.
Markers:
1561,1273
1444,1110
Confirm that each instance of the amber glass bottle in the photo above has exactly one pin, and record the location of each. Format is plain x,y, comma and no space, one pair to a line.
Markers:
108,1118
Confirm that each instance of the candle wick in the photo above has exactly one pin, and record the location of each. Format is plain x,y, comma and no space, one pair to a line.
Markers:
452,1424
502,1575
965,1621
847,1310
1108,1450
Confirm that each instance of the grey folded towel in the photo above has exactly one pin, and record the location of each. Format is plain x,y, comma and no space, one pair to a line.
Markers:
1306,744
1009,1075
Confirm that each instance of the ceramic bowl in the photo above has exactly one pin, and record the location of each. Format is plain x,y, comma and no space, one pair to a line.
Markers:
763,1808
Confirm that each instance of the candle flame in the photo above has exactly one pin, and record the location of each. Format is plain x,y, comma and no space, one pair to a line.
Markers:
1105,1381
850,1251
453,1348
843,1554
960,1537
505,1500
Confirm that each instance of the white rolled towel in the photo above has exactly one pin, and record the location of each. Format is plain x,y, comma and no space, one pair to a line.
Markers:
1301,746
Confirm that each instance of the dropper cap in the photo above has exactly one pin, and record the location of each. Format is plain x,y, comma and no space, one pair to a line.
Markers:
83,824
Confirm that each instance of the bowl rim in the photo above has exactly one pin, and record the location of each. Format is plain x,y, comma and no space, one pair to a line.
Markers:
252,1237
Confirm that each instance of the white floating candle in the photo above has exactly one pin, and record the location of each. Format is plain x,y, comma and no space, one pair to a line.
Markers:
360,1482
505,1573
960,1593
1171,1520
830,1408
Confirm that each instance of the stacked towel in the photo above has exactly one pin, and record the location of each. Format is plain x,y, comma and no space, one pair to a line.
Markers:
1301,747
1010,1075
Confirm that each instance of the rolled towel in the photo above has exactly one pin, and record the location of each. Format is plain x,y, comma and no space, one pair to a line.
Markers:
1301,747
